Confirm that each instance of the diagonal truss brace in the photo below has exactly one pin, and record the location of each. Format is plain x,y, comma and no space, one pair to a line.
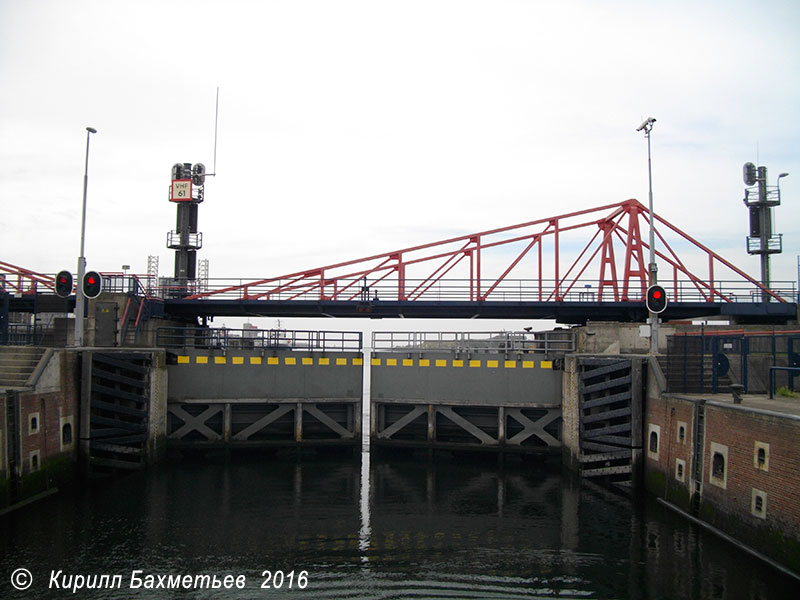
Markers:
534,427
195,423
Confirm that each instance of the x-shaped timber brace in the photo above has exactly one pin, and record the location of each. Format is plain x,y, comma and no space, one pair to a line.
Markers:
529,427
199,422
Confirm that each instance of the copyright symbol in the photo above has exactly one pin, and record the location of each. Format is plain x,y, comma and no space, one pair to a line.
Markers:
21,579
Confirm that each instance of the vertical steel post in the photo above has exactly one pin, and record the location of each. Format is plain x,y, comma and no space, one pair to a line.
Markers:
298,422
80,299
764,217
555,244
647,126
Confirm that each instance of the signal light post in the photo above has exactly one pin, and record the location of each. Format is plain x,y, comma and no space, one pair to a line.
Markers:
80,300
647,126
760,200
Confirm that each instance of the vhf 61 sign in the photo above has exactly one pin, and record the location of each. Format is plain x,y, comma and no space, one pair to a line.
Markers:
181,190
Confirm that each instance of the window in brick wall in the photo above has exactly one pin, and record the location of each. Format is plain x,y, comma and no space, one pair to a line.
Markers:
653,435
758,503
33,423
761,456
681,434
719,465
33,460
680,470
66,434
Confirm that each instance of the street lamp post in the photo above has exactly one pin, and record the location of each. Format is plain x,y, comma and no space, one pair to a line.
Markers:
80,299
647,126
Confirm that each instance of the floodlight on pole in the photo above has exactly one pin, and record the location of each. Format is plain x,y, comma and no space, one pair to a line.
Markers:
80,298
647,127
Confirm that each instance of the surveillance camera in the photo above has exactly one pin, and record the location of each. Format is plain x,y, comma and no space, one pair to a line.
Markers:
648,121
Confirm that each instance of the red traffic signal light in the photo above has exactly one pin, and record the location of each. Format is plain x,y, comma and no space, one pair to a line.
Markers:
63,284
92,284
656,299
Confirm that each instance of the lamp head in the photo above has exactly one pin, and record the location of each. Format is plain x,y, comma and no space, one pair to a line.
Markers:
91,130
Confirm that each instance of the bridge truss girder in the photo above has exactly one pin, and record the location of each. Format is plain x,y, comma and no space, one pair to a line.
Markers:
613,230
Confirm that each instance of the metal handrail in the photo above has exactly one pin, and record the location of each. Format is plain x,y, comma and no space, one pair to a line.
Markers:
289,339
472,341
772,370
458,290
445,290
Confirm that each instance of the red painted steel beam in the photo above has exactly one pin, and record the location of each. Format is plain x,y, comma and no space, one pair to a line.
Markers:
22,276
445,255
398,253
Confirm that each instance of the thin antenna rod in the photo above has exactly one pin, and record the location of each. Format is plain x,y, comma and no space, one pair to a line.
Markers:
216,121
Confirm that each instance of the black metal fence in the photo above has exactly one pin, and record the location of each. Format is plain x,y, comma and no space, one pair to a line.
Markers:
709,363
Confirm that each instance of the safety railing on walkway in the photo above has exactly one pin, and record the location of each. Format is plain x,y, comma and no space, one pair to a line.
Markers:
388,289
288,339
459,290
710,362
471,341
791,373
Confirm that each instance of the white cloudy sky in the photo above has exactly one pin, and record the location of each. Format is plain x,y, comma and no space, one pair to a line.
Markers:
357,127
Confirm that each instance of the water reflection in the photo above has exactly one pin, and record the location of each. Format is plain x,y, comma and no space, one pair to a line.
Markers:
379,529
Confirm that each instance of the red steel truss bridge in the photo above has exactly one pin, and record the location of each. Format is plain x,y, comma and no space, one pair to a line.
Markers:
585,265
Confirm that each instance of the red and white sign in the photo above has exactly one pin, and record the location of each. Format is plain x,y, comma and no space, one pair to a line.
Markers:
181,190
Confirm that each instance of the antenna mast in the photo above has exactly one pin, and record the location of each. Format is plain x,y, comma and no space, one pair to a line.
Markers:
216,121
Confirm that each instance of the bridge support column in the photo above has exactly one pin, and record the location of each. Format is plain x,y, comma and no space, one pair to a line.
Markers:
501,426
226,422
298,422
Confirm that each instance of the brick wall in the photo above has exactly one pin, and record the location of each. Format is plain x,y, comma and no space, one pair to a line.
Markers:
42,418
750,490
50,413
737,435
669,468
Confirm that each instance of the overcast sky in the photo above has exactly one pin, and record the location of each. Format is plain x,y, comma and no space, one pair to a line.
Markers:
354,128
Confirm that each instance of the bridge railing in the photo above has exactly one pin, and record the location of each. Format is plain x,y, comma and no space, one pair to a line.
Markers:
444,290
286,339
472,341
509,290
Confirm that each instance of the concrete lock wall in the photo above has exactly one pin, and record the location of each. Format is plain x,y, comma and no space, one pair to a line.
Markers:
480,379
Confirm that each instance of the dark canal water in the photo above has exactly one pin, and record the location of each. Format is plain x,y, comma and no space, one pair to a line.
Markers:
390,529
